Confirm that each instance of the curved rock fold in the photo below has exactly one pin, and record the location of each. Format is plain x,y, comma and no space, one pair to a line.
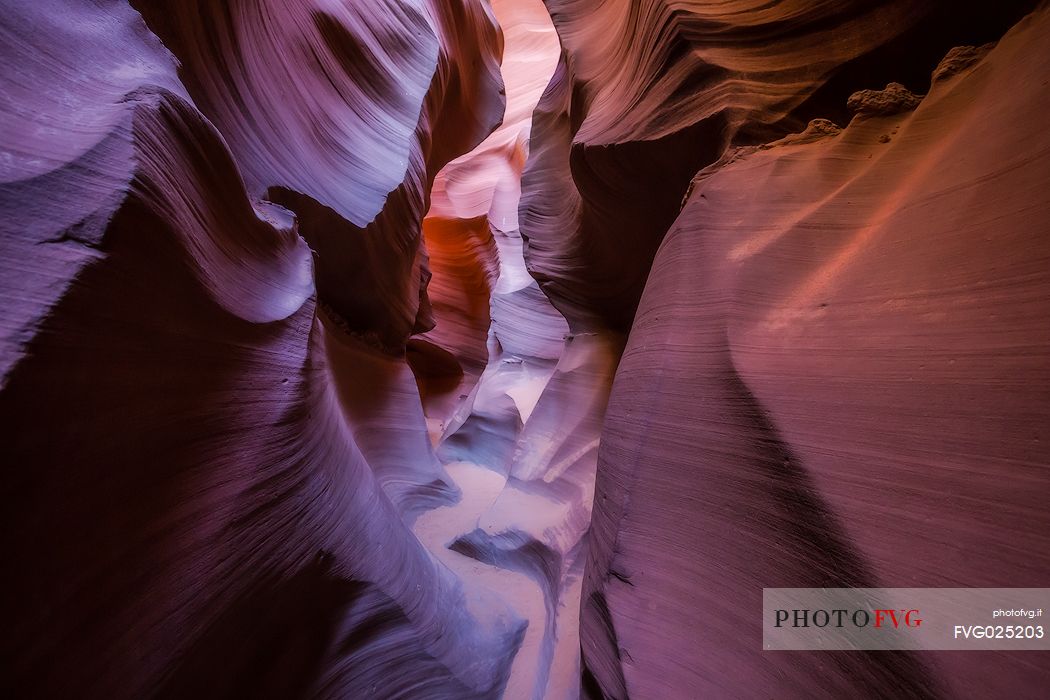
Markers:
510,348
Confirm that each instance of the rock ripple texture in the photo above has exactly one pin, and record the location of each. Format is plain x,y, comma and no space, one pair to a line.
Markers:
470,349
837,377
211,475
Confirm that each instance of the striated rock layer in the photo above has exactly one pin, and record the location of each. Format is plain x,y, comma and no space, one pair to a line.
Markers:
518,430
211,480
837,377
470,349
344,113
647,93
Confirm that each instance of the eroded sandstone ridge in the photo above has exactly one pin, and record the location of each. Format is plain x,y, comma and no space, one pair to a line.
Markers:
217,477
837,376
457,348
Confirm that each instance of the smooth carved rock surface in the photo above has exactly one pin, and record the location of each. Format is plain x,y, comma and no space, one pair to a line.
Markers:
519,430
837,377
344,112
470,349
647,93
217,479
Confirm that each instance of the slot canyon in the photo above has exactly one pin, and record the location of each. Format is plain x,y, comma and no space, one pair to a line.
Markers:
510,348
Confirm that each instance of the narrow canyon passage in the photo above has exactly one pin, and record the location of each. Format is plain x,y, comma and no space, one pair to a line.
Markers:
481,349
517,531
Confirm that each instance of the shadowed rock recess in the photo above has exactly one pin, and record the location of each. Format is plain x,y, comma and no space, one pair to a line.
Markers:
510,348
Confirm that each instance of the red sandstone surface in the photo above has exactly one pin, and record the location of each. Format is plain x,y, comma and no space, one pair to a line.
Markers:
510,348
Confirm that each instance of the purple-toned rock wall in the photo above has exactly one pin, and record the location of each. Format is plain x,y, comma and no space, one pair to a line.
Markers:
510,348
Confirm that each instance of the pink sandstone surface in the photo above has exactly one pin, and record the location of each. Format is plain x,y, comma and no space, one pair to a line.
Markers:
510,348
